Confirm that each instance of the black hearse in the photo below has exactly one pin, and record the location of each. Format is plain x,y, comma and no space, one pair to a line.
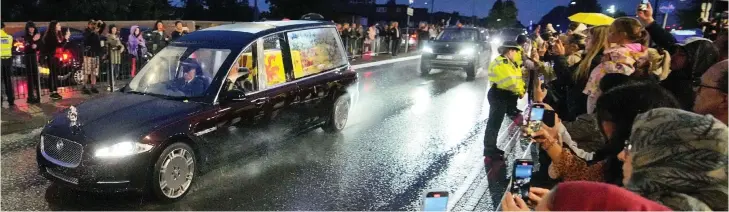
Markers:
209,96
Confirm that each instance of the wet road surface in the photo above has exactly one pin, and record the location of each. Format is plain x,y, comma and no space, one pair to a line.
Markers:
407,134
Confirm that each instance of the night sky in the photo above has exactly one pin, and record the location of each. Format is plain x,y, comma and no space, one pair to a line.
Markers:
528,9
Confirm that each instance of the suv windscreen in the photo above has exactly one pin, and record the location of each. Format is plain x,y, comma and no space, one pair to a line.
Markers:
179,72
458,35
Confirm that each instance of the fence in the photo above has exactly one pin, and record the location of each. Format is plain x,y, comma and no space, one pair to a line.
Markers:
357,48
72,69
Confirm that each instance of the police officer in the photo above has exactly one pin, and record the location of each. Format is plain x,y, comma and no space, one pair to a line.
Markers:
6,46
508,86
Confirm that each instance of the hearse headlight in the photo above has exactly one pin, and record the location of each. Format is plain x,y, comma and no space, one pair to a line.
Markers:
467,51
122,149
427,49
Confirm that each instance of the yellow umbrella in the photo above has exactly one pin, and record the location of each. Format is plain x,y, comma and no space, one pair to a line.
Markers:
595,19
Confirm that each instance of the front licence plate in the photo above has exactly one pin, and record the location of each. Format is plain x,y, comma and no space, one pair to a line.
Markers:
445,57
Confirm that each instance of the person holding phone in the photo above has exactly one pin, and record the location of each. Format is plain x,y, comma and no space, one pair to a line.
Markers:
508,86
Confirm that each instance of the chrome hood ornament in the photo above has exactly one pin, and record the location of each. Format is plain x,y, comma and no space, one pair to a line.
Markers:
72,116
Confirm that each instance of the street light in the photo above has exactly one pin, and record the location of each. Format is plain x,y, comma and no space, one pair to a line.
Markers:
498,19
573,3
611,10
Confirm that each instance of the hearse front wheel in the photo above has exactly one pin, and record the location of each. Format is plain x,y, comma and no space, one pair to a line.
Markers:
174,172
339,115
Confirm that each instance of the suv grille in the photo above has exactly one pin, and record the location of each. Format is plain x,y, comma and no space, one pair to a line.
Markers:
61,151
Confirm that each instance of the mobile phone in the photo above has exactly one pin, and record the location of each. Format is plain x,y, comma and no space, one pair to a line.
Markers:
541,78
537,113
548,118
521,178
644,5
435,201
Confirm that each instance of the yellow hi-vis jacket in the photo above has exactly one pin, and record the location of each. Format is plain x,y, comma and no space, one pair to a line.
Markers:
6,45
506,75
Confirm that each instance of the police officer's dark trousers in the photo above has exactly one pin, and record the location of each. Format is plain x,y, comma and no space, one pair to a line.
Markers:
500,101
7,72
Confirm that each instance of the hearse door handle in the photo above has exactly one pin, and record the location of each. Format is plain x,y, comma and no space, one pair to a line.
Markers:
259,102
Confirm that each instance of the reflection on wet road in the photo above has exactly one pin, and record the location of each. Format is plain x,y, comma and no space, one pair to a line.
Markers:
406,135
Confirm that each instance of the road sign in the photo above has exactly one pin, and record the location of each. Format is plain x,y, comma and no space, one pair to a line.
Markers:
667,8
410,11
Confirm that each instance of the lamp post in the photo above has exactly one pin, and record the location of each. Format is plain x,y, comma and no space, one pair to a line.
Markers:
611,10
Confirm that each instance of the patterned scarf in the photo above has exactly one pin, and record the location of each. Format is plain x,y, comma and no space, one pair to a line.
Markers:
679,160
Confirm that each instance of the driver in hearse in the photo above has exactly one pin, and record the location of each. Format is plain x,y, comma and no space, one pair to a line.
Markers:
192,83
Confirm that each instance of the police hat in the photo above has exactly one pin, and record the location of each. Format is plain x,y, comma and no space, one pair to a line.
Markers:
508,45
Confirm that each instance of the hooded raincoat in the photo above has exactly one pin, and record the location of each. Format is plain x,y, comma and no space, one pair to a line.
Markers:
136,44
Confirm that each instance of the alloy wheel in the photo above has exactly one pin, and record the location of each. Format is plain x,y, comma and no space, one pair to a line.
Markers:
176,173
341,113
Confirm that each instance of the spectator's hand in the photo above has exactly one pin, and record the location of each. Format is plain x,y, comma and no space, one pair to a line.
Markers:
513,203
34,46
537,194
36,37
543,49
646,16
539,92
68,34
546,136
558,47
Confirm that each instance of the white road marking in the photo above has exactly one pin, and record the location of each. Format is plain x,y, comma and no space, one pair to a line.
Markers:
383,62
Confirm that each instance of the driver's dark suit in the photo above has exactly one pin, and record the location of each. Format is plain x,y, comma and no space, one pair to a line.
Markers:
194,87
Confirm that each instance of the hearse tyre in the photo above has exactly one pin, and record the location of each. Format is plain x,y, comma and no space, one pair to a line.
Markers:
339,114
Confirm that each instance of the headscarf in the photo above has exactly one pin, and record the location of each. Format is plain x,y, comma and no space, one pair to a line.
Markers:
594,196
679,159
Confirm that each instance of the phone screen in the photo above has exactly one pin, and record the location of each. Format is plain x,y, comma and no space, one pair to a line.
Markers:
522,178
436,201
537,114
541,78
645,1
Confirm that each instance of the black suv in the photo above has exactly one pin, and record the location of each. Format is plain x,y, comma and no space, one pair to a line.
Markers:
465,48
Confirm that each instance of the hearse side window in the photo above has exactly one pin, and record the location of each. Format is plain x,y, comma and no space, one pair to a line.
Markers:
274,67
314,51
235,79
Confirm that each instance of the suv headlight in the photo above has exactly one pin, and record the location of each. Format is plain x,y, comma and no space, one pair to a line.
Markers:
467,51
496,41
427,49
122,149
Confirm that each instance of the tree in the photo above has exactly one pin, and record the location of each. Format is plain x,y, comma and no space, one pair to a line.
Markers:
193,10
619,13
502,14
556,16
228,10
297,8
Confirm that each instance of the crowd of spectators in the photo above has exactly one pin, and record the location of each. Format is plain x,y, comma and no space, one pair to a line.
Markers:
383,38
658,108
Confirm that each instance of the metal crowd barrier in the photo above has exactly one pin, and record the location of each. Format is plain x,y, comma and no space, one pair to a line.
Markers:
380,45
69,71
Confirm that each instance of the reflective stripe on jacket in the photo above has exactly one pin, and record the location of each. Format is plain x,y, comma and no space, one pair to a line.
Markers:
6,45
506,75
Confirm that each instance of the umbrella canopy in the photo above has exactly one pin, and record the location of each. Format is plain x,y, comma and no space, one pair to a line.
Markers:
595,19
